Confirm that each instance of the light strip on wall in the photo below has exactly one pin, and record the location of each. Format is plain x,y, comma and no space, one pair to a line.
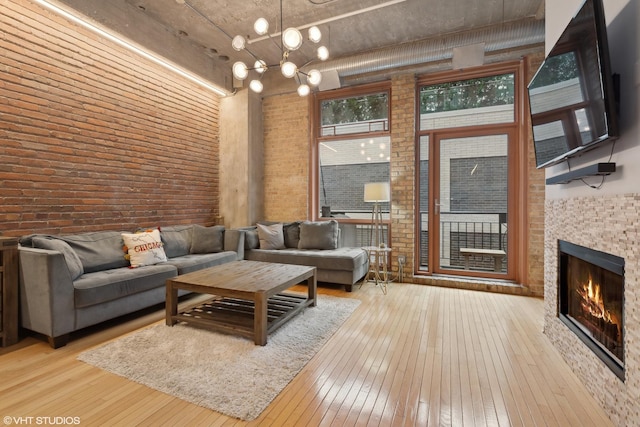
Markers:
160,61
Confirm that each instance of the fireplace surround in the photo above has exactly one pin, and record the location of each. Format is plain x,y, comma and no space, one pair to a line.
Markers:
591,300
609,223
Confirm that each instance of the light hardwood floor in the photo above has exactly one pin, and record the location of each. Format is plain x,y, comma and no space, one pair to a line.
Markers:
418,356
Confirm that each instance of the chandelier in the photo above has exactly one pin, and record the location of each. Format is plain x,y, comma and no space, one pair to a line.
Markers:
290,40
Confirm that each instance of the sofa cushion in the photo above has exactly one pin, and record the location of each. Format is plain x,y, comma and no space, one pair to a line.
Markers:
144,248
193,262
176,240
318,235
271,236
98,250
347,259
291,231
73,261
207,239
108,285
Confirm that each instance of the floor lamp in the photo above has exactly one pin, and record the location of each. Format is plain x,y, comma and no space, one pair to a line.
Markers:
377,192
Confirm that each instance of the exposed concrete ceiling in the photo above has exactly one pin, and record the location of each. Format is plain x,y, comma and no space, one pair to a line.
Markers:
197,33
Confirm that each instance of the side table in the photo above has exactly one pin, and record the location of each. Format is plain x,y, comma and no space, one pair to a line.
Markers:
8,291
379,258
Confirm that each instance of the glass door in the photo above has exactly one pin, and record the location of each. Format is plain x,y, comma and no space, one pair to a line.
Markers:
470,201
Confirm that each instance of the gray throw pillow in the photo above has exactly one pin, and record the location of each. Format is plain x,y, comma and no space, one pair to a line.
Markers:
98,250
318,235
207,239
251,239
176,240
291,233
73,261
271,236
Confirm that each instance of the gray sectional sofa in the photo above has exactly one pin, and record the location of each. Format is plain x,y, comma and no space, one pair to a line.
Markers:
69,282
310,243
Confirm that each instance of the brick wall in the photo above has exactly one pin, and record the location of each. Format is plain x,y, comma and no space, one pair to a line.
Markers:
403,154
286,157
95,137
535,203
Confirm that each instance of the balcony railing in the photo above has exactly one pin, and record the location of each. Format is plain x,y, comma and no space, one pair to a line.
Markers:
356,127
475,230
360,235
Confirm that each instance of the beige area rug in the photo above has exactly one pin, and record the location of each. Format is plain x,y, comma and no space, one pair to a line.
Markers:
225,373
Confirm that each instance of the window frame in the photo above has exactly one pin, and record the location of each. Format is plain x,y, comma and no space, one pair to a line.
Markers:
518,176
316,139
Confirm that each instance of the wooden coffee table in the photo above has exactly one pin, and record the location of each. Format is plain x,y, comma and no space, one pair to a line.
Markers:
248,297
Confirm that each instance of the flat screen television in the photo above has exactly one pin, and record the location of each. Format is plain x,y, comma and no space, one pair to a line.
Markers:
572,95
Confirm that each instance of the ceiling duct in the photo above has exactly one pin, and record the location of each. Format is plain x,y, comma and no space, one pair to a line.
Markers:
506,36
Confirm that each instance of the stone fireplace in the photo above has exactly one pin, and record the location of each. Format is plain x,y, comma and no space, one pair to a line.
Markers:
591,300
592,315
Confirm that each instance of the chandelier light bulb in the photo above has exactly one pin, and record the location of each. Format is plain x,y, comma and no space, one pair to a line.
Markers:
261,26
256,86
260,66
240,70
303,90
314,34
289,69
314,77
292,38
238,43
323,53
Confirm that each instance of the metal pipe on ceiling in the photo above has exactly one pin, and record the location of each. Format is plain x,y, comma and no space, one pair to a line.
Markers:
509,35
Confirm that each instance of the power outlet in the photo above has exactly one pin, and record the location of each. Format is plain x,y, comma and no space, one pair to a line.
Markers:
402,259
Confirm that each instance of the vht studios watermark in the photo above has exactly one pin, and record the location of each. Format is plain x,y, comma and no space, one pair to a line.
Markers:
42,421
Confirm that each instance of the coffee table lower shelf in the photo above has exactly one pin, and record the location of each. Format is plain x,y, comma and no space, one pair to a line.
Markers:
237,316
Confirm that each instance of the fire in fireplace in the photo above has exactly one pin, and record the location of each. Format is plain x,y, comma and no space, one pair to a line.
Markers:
591,300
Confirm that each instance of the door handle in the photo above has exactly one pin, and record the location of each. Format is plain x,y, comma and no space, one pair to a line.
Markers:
437,206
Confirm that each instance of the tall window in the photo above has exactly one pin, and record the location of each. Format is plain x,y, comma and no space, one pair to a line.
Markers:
352,143
467,133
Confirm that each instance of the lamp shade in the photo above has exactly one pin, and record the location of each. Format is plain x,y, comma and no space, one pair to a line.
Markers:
377,192
323,53
260,66
292,39
314,34
288,69
238,43
240,70
261,26
314,77
256,86
303,90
